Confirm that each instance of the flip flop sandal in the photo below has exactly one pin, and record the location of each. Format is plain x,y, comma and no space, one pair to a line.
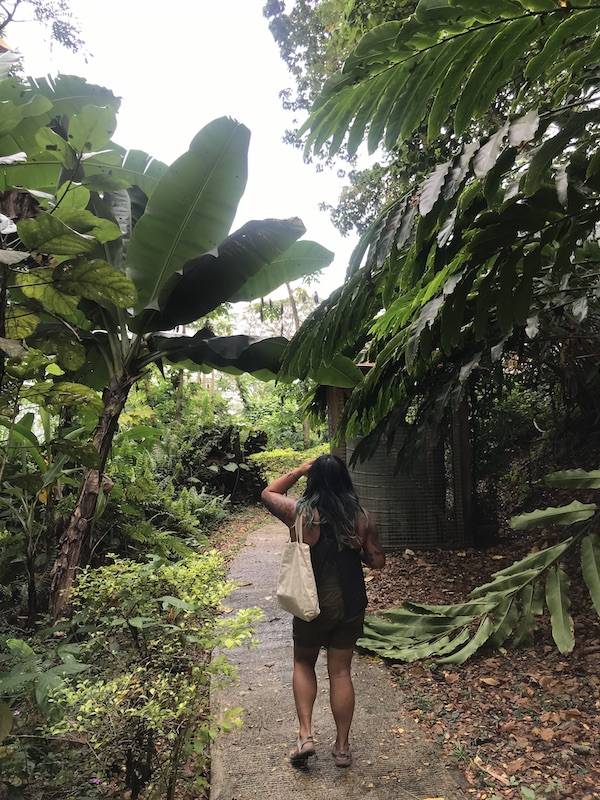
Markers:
304,749
342,758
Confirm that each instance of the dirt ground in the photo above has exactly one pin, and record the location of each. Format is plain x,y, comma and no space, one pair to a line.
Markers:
234,531
520,724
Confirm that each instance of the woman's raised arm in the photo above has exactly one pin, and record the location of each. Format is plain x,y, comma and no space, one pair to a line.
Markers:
274,496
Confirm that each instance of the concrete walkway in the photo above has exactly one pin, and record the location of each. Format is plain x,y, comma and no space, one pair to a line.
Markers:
392,759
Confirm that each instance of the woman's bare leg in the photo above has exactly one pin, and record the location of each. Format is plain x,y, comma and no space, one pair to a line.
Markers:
305,686
341,693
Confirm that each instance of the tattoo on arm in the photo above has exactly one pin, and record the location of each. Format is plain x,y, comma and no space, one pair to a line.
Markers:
282,507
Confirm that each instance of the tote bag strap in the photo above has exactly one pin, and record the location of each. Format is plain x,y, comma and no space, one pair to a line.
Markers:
298,528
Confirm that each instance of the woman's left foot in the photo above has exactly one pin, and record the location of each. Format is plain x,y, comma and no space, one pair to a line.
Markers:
342,758
304,749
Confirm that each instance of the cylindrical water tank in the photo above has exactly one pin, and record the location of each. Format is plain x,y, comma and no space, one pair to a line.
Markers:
410,508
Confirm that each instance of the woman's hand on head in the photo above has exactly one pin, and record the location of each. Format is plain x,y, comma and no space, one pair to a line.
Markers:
304,469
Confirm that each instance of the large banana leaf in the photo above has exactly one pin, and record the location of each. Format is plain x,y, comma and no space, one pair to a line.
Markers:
70,93
231,353
120,169
206,282
301,259
262,357
192,208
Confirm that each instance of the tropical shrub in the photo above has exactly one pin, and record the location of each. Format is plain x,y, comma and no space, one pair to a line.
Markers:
214,459
280,412
277,462
139,709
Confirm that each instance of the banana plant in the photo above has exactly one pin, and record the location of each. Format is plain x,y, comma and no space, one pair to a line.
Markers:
119,251
504,609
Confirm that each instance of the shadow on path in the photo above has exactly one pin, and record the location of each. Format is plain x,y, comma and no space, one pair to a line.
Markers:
392,759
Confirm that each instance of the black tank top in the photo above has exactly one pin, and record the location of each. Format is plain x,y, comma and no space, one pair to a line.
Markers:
326,555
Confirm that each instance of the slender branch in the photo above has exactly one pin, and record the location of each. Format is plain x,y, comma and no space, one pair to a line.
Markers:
27,285
73,173
9,15
65,323
581,102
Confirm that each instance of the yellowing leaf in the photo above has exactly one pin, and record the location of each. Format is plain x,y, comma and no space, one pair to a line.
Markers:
96,280
20,322
48,234
38,285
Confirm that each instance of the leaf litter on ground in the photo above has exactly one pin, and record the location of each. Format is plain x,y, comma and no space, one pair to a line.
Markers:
518,723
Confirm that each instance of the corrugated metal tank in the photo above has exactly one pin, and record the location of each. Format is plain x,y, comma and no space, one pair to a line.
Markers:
410,509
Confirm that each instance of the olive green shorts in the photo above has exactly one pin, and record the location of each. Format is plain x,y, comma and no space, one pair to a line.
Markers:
328,630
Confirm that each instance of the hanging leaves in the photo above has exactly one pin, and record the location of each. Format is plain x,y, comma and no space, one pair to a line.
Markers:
590,566
461,55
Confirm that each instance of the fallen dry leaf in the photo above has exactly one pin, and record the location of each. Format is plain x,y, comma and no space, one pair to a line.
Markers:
498,776
451,677
547,734
514,766
490,681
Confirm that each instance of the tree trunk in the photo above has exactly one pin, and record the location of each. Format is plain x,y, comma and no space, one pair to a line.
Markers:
306,432
294,308
77,530
296,316
179,387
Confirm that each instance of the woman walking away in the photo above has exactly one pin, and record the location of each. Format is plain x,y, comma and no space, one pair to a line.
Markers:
340,536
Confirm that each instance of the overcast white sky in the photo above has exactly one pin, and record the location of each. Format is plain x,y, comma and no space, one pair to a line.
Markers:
181,63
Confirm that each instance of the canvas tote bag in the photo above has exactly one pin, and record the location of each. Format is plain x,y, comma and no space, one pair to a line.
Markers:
296,587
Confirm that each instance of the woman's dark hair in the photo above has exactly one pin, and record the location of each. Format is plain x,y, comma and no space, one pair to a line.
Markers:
329,491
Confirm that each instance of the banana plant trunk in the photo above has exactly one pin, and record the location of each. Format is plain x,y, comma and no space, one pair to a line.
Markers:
76,533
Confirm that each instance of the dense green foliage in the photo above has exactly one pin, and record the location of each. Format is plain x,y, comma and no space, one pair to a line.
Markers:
282,460
279,412
489,267
126,467
120,697
102,249
314,38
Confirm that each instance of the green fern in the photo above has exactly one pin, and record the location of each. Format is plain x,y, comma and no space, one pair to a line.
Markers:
163,543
